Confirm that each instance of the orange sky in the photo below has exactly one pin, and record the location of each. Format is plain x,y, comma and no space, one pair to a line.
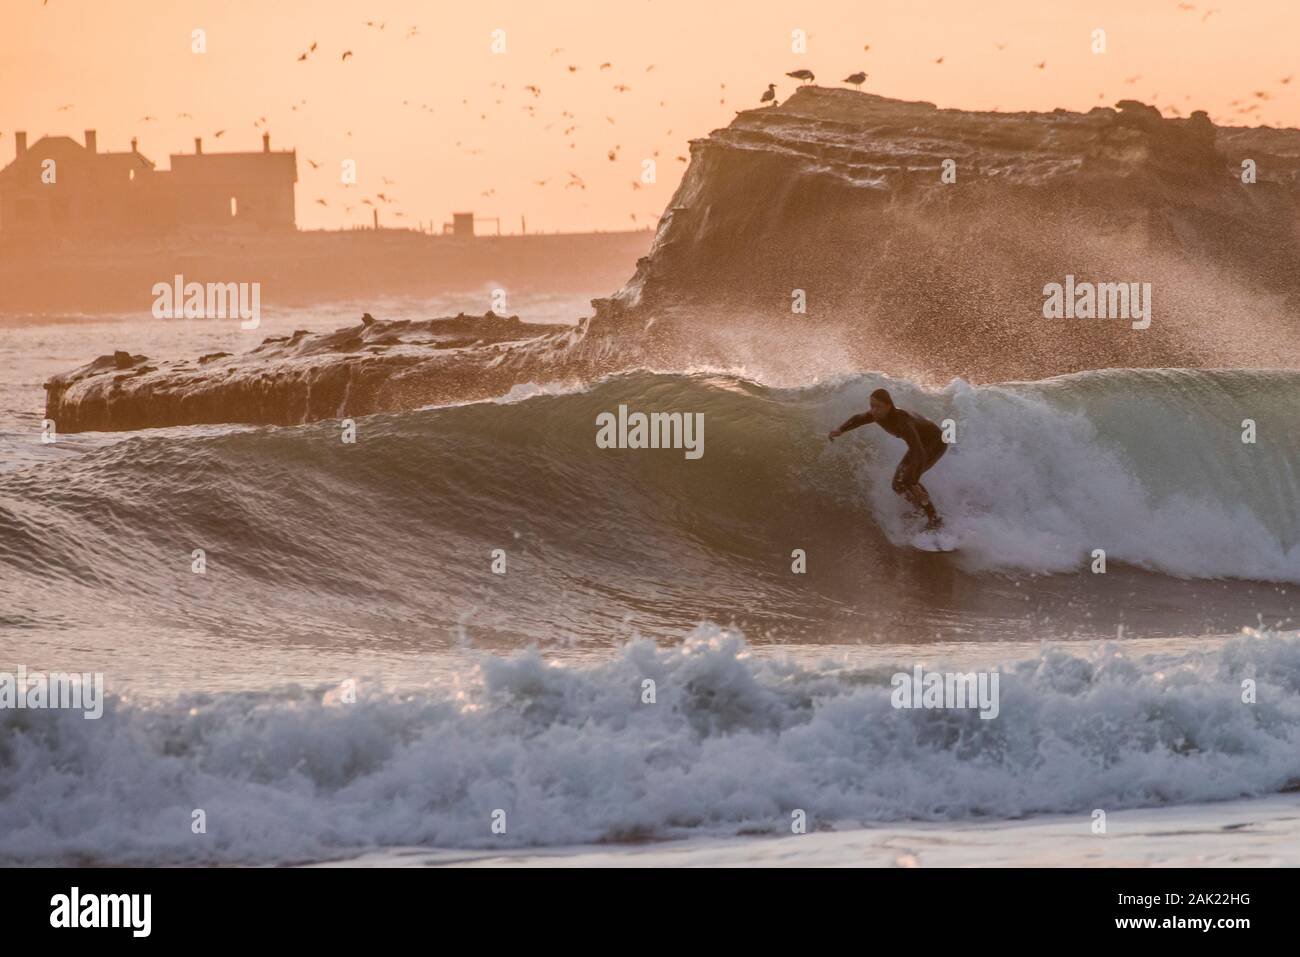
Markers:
113,62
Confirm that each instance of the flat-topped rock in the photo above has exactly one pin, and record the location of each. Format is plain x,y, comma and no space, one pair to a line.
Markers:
370,367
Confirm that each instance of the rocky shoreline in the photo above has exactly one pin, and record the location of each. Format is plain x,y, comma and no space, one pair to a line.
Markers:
918,241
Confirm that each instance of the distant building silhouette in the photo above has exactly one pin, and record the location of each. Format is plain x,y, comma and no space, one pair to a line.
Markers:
462,224
89,193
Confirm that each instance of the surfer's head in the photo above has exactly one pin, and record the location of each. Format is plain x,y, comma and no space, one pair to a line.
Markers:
881,403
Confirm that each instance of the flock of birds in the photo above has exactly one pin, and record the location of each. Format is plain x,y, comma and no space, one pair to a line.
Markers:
567,124
1242,107
807,76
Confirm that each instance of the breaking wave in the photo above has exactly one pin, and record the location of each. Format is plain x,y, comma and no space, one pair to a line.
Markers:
733,743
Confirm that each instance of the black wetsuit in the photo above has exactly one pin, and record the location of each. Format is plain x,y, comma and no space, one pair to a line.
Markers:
925,444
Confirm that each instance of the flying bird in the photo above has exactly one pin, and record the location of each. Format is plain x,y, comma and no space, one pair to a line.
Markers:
939,62
321,202
346,54
314,164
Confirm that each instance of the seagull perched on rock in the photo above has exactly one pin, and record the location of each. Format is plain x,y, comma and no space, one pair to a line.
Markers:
804,75
769,95
857,79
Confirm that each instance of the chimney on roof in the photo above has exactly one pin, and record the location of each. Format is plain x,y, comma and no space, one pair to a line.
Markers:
92,142
266,142
20,143
198,145
134,142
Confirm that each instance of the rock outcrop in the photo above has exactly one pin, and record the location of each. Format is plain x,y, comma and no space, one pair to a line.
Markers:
918,241
375,366
841,195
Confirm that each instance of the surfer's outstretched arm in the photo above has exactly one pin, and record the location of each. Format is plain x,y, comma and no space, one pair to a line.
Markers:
862,418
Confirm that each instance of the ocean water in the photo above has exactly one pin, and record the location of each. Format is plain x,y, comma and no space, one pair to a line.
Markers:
356,669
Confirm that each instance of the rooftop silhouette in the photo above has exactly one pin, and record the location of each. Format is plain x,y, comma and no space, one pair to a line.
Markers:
59,187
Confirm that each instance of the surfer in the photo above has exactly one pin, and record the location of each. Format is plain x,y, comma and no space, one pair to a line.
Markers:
925,446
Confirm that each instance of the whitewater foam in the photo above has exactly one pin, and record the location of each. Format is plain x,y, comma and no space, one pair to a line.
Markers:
1147,466
571,753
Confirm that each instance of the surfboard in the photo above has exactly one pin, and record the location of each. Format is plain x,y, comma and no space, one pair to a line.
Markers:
941,540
